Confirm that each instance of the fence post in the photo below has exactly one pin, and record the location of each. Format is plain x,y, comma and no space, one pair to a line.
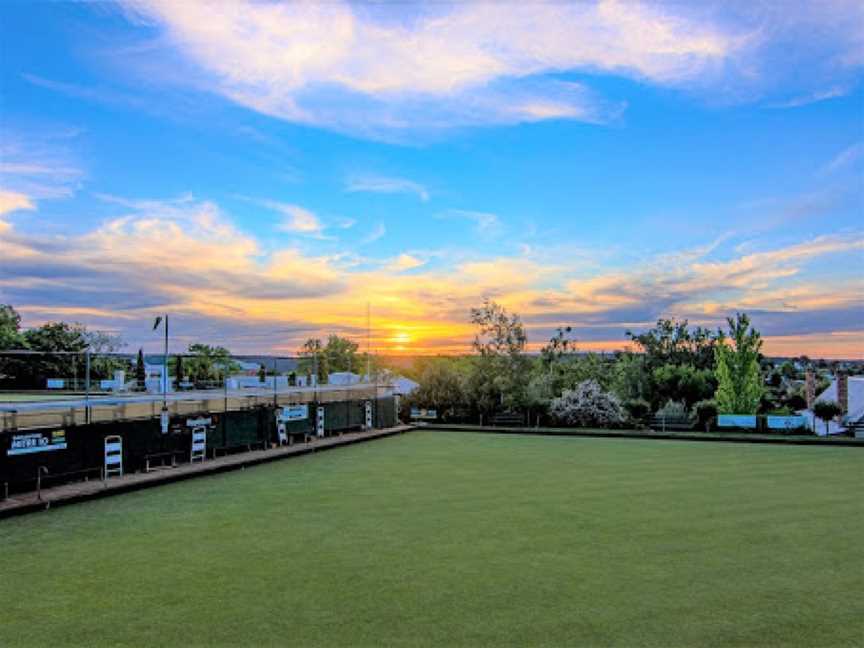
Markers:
225,412
39,481
275,391
87,386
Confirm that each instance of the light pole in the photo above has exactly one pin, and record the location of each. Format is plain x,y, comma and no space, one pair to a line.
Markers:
164,416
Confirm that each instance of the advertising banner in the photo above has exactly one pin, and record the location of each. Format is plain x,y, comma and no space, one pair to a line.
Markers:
37,442
785,422
737,421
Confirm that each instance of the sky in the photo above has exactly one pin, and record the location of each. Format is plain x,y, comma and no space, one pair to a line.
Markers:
264,171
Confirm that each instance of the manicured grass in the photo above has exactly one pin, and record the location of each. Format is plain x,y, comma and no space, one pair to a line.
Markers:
442,539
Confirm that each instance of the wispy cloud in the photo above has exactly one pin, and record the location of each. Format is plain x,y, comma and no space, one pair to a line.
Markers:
339,65
384,184
38,164
844,158
404,262
377,233
485,223
813,97
297,219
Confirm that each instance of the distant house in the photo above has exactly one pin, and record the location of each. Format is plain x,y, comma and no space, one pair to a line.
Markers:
154,381
248,368
848,391
343,378
403,386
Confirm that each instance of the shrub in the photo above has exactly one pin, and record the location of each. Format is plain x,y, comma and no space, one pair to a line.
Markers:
705,414
587,405
674,410
638,409
827,410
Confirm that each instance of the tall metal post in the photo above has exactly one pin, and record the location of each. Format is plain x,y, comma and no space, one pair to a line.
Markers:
87,386
368,341
165,369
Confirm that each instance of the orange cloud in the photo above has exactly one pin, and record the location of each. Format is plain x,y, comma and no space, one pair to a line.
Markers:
186,257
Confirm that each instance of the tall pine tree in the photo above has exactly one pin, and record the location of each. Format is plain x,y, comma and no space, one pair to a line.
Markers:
140,371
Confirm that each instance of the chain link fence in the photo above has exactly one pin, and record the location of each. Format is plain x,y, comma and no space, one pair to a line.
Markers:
40,389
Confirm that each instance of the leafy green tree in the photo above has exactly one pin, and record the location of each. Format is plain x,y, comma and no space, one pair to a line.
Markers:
674,361
102,345
10,328
61,346
827,411
208,364
630,378
312,356
739,379
498,375
179,371
441,387
682,382
341,354
11,366
673,342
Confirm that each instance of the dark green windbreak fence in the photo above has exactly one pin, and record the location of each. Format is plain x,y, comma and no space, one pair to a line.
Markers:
73,452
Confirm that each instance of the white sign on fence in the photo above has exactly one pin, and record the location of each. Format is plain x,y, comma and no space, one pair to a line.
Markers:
295,412
747,421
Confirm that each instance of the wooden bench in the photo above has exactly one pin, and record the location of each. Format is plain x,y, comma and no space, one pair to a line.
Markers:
670,423
161,457
241,447
510,419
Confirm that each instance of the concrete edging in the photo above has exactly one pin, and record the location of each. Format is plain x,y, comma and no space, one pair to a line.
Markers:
636,434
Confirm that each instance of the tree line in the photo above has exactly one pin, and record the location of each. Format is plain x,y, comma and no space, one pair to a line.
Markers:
673,370
58,351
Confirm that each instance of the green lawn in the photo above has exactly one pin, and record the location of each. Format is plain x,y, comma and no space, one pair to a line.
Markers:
442,539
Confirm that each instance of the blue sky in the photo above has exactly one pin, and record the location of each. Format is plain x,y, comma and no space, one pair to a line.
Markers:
262,171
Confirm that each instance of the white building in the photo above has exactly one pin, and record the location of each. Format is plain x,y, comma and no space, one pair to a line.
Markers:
853,405
343,378
154,381
403,386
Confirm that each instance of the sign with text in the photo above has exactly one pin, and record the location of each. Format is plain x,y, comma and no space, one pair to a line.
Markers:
37,442
747,421
295,412
420,413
